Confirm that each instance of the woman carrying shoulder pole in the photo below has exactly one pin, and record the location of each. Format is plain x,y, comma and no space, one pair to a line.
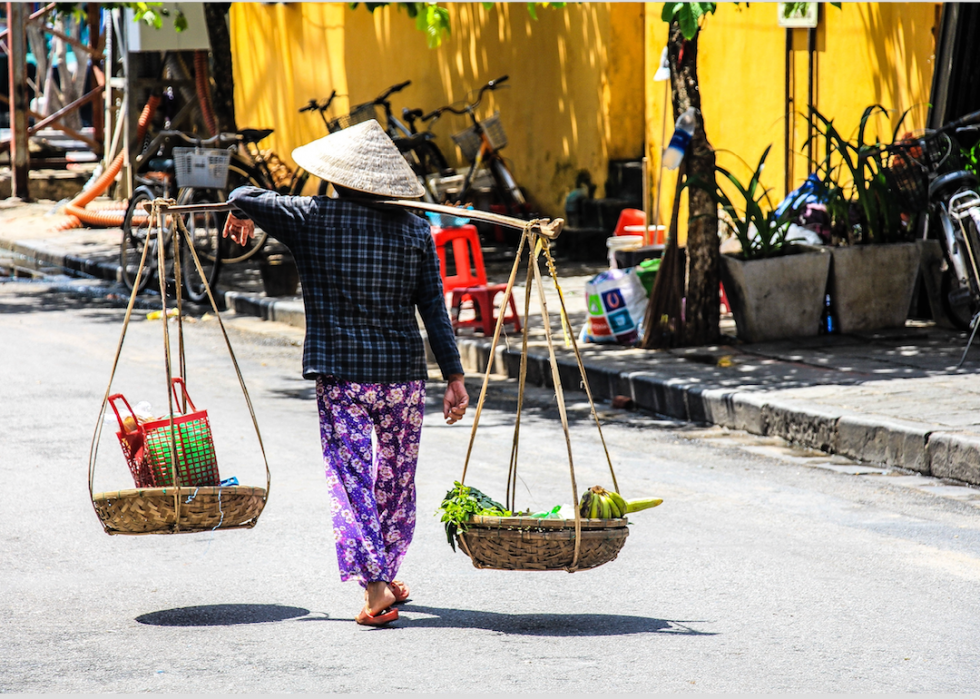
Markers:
365,269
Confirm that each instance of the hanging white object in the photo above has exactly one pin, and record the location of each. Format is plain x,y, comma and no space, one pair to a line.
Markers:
679,142
663,70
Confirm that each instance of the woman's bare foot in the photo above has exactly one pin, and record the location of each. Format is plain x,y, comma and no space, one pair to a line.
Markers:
378,597
399,590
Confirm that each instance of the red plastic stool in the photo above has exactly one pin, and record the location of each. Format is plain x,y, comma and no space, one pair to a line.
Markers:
469,286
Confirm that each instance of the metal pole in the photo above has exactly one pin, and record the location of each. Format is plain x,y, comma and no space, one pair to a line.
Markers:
95,43
787,126
811,48
19,104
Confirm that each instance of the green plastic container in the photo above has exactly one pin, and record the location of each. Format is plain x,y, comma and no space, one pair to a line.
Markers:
647,273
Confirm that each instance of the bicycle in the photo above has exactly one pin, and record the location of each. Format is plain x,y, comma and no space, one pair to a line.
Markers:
929,177
481,144
204,228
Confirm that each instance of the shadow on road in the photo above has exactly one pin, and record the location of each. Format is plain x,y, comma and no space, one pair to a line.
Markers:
545,624
222,615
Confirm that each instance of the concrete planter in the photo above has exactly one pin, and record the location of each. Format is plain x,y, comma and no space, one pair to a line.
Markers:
871,285
778,297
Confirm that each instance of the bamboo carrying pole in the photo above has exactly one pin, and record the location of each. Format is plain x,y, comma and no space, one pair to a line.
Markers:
549,228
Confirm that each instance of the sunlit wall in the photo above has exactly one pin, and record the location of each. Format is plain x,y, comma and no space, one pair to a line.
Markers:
576,76
865,53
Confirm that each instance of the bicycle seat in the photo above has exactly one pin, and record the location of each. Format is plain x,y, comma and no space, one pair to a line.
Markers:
254,135
411,142
954,180
412,113
161,164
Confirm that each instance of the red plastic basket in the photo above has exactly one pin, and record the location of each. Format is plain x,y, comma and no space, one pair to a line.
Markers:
147,446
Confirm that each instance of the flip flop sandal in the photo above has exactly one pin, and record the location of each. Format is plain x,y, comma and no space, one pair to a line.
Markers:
364,617
399,590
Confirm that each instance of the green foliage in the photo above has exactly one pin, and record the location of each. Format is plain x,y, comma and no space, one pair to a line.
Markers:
798,9
150,13
433,20
861,204
759,230
688,15
463,502
971,158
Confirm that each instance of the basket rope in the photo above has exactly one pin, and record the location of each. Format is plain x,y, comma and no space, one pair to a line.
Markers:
536,235
158,213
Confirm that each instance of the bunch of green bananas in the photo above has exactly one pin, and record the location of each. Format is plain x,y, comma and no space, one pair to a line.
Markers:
599,503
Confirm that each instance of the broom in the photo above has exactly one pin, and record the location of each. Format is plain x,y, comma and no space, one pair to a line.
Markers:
664,321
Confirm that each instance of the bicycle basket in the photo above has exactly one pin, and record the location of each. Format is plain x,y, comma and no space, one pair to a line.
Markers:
359,114
909,165
494,131
469,143
201,167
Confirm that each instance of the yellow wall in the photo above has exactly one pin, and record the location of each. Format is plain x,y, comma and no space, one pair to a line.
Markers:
576,75
866,53
580,91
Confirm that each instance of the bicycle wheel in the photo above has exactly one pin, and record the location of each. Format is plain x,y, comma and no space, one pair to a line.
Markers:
959,297
135,227
431,159
204,234
958,303
512,194
240,175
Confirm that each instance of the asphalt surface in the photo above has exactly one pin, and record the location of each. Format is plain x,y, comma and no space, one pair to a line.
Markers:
764,570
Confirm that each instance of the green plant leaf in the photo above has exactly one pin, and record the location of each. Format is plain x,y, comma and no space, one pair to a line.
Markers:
669,10
687,21
531,10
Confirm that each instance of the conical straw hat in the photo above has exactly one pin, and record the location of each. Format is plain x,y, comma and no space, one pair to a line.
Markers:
362,158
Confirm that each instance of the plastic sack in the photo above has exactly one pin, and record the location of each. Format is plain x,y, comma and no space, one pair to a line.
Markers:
617,302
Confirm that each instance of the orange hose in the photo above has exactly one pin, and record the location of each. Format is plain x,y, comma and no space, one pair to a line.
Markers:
204,90
107,219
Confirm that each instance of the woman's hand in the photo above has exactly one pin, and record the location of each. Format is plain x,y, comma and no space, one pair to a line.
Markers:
240,231
455,402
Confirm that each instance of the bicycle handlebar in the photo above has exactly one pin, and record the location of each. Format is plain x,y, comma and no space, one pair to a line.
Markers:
312,105
150,151
462,111
392,90
967,120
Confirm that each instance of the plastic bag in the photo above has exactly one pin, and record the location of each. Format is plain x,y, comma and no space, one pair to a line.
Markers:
617,302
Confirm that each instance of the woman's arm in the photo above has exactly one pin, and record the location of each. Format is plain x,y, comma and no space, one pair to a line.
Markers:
282,216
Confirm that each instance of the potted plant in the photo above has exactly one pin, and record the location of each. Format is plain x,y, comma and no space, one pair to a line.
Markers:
775,288
875,260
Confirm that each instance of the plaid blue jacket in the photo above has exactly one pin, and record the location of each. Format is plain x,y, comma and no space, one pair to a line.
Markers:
364,271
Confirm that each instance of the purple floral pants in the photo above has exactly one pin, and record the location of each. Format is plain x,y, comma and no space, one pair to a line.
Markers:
372,488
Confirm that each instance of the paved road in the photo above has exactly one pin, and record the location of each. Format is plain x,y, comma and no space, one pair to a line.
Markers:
762,571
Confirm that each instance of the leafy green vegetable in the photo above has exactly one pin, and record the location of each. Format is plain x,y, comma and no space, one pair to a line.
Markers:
463,502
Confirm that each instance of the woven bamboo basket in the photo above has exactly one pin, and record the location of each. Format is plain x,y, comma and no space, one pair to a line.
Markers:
528,543
154,511
172,459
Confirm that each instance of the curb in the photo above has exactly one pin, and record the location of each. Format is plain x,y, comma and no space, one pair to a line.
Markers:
893,443
880,440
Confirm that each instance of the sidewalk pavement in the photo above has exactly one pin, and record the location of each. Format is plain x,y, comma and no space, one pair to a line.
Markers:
892,397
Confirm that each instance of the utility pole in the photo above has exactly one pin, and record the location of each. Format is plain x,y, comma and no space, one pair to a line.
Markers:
17,60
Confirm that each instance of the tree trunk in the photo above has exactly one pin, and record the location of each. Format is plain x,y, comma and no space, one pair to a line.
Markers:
223,88
703,305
